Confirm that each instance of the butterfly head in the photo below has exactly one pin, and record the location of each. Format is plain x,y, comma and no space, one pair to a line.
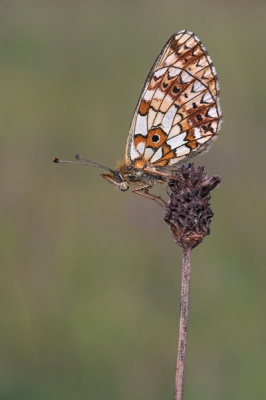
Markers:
116,178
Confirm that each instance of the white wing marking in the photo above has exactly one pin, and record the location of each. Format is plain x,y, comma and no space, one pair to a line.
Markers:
182,151
198,86
148,95
171,59
151,116
167,121
212,112
157,155
186,77
141,147
158,95
177,141
158,118
141,125
207,98
197,133
148,153
173,72
174,131
204,139
160,72
133,152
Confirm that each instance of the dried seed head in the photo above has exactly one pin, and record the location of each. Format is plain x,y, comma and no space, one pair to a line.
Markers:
188,210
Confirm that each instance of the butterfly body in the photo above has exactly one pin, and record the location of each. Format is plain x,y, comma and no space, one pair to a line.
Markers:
126,175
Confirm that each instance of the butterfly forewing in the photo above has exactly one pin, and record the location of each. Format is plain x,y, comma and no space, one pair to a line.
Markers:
178,112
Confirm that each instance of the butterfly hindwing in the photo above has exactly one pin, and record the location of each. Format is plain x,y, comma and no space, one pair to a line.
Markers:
178,112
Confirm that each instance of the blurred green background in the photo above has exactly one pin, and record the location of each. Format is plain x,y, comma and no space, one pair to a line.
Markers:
90,276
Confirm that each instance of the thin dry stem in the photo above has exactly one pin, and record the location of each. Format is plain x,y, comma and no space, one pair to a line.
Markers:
182,343
188,215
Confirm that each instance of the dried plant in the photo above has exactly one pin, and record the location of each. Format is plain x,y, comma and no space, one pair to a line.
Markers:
188,216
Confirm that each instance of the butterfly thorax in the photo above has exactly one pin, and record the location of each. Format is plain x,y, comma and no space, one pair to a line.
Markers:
127,175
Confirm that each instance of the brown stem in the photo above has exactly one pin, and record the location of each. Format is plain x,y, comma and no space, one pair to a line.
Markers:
182,344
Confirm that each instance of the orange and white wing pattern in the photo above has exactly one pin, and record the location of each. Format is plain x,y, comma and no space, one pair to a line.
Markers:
178,112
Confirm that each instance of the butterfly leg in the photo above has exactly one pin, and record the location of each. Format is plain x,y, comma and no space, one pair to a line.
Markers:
143,191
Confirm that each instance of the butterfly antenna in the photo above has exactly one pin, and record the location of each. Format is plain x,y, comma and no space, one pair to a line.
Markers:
88,163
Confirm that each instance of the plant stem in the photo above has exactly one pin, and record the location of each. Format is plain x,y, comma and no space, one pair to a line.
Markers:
182,343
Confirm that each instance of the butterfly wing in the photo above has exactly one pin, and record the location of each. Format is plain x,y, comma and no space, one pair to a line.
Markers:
178,112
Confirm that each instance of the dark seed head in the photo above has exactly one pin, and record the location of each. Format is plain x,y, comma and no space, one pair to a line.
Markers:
188,211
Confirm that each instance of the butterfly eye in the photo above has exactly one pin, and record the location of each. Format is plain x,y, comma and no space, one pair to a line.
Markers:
118,177
120,181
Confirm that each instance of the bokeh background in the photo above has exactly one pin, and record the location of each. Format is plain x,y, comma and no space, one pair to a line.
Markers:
90,276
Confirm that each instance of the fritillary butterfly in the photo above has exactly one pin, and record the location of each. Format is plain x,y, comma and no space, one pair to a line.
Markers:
177,116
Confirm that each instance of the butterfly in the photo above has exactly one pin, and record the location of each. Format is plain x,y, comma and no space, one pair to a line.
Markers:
178,115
